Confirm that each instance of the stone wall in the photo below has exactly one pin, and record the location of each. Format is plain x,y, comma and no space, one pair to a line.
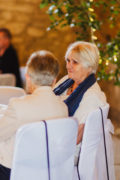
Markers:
28,24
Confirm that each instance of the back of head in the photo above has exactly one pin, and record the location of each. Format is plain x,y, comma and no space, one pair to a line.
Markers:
42,68
87,53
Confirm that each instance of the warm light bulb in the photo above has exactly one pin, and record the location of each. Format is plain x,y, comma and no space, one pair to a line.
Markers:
94,37
100,61
93,29
107,62
115,58
91,9
91,19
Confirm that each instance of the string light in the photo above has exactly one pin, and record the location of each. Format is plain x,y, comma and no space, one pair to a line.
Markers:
94,37
51,7
115,58
100,61
72,25
107,62
48,29
56,11
93,29
116,47
66,15
98,78
91,19
91,9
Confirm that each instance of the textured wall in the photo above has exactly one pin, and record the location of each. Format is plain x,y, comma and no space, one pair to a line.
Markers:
28,24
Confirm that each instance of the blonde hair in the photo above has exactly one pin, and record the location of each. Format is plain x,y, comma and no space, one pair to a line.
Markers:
42,67
88,54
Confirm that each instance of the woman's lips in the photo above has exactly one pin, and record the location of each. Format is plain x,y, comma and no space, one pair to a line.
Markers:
70,71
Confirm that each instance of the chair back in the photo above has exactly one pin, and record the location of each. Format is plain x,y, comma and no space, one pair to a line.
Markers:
7,79
92,161
45,150
7,92
22,74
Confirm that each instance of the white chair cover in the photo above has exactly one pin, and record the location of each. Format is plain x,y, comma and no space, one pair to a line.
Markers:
7,92
92,163
7,79
3,108
30,160
22,74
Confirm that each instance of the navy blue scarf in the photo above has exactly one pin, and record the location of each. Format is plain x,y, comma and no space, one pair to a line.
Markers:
75,98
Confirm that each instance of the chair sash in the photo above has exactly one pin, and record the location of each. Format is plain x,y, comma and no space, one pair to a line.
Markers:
106,129
47,149
104,140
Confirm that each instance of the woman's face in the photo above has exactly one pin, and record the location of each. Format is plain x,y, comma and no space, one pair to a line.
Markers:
75,69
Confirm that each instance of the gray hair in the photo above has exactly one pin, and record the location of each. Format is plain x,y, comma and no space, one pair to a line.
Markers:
88,54
42,67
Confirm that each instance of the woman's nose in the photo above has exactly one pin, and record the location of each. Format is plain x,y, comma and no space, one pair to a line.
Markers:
69,65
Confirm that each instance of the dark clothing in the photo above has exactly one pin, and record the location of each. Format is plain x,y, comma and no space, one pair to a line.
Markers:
75,98
9,64
4,173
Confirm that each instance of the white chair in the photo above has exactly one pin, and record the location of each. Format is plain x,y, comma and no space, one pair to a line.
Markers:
7,79
7,92
3,108
45,150
92,160
22,74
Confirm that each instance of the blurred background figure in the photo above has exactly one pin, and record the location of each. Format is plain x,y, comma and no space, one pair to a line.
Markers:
8,57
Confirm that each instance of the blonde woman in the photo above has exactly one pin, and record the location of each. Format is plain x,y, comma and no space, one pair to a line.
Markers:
79,89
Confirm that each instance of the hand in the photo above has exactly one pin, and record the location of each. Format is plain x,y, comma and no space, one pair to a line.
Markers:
80,133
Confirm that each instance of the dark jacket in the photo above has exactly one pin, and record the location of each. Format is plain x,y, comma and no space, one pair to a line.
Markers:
9,64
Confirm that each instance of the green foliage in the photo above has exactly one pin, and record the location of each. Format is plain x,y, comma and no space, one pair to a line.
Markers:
88,18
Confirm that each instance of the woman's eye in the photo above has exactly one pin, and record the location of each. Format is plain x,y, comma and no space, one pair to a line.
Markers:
67,60
75,62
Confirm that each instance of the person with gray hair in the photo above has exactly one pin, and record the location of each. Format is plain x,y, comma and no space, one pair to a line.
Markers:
41,104
79,88
42,70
